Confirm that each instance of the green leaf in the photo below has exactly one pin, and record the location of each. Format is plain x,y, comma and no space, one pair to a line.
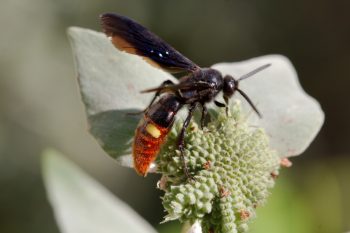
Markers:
291,117
82,205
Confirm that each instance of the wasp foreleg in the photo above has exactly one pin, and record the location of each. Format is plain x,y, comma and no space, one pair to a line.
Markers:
205,116
226,106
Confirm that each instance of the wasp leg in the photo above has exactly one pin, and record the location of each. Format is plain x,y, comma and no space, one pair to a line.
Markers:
226,107
205,116
165,83
181,141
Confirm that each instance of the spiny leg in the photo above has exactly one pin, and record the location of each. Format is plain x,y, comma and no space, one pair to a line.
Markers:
181,140
165,83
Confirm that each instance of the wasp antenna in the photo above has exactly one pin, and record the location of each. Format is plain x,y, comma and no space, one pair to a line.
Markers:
153,89
250,102
162,89
251,73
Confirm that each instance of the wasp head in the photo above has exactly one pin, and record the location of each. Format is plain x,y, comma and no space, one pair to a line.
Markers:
230,86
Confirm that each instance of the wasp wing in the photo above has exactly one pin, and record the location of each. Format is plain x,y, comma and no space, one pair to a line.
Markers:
131,37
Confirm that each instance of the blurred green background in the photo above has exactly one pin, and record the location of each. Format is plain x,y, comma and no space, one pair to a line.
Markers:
40,105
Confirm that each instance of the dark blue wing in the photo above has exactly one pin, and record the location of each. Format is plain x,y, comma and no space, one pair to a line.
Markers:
129,36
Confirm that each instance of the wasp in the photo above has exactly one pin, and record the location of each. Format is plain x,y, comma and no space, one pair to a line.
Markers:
197,87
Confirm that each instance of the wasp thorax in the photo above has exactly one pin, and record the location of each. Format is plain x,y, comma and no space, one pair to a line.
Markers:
230,86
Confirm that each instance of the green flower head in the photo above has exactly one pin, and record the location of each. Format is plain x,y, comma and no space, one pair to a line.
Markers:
231,163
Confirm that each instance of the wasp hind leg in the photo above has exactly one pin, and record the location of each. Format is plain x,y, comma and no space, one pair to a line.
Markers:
181,141
164,84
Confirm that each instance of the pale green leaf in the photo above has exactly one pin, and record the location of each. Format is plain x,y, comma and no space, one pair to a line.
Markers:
81,205
291,117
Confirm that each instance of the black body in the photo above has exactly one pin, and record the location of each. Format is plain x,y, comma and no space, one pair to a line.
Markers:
198,87
164,110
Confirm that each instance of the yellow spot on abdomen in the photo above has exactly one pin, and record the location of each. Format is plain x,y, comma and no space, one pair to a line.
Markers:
153,130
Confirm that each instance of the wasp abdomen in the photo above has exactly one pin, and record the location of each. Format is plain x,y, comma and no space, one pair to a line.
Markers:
152,131
147,142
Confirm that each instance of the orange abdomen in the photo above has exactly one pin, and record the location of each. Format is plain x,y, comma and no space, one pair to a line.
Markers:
152,131
149,137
